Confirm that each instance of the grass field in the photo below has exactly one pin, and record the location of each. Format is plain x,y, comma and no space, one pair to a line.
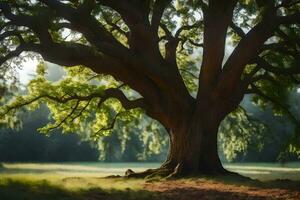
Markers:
85,181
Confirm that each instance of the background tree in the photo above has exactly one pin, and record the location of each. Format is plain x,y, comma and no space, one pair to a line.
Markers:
27,145
136,42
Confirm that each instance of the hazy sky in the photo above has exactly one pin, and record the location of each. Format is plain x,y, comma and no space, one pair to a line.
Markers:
28,71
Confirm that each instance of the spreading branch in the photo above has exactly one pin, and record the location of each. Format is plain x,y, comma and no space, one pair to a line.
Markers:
216,21
106,94
255,90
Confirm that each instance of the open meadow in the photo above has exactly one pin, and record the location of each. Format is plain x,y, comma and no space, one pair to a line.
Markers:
86,181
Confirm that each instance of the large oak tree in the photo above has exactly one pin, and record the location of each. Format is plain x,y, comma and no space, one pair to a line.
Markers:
150,46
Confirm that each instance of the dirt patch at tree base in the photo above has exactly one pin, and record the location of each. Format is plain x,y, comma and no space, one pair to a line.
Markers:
213,190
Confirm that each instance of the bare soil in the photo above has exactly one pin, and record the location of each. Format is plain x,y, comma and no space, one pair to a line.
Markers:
214,190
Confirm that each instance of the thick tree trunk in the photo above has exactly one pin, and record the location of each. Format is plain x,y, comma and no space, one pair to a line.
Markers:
193,148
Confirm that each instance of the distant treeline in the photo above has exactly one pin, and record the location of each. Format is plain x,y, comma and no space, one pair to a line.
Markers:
27,145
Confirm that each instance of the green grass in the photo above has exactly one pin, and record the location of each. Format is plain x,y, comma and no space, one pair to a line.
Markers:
267,171
43,181
17,189
261,171
78,181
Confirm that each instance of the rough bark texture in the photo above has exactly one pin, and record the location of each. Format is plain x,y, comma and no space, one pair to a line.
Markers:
193,144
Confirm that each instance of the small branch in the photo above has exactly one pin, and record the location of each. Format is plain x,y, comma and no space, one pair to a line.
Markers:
189,73
238,30
116,27
196,44
248,78
187,27
81,111
276,70
109,93
255,90
166,30
55,126
112,124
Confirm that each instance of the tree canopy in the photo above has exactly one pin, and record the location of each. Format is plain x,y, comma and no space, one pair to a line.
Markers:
187,64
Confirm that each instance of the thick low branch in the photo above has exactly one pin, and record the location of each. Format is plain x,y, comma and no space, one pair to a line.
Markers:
19,20
216,21
127,104
91,28
246,50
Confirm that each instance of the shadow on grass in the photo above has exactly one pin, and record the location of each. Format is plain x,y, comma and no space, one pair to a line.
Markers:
191,189
43,190
226,188
245,181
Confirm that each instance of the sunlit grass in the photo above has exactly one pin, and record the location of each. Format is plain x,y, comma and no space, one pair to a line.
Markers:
86,169
73,175
75,188
267,171
90,173
78,181
68,181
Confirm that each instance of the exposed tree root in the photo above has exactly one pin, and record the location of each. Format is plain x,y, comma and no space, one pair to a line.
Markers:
179,172
148,174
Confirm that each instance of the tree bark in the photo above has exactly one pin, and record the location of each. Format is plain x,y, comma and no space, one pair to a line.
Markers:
193,148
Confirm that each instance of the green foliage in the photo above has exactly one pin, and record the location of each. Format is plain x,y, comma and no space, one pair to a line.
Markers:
239,132
75,105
